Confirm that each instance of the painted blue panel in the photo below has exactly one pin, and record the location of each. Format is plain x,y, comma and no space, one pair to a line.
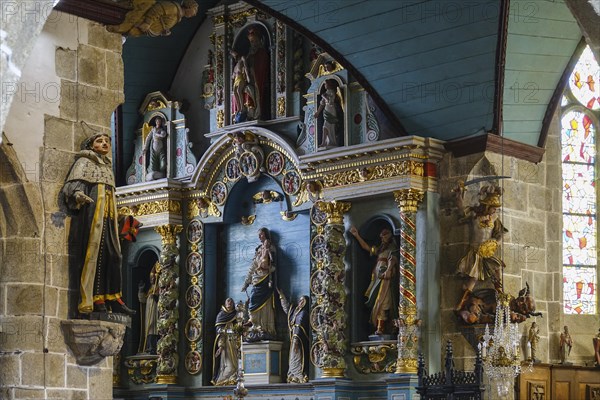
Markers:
530,10
447,130
239,241
255,363
436,58
536,62
540,27
275,361
550,46
473,69
412,19
401,52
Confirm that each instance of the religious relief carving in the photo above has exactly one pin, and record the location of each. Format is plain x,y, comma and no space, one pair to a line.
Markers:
202,207
154,18
249,154
537,391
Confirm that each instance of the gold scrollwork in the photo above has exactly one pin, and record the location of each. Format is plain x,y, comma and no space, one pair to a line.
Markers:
154,207
375,358
402,168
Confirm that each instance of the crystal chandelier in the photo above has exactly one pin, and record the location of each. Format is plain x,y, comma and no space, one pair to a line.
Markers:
500,350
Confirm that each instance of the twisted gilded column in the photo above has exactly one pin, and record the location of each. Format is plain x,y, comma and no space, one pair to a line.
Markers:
168,313
408,336
328,284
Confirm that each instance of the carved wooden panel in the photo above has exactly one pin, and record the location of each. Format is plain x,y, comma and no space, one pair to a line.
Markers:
592,392
537,391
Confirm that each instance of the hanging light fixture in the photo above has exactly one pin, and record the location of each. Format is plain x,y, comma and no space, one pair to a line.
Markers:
500,350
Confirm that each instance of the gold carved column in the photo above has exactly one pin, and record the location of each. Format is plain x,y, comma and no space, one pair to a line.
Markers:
328,282
408,336
168,314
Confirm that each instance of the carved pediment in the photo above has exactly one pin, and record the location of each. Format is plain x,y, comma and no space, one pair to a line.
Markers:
323,65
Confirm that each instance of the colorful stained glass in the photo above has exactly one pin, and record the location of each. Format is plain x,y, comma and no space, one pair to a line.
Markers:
579,240
584,82
578,138
579,189
579,290
578,151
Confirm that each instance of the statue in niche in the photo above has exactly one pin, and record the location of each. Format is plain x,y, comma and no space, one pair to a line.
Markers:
565,345
89,195
298,328
149,335
382,293
255,66
331,109
155,18
242,94
226,347
533,338
480,263
155,149
261,276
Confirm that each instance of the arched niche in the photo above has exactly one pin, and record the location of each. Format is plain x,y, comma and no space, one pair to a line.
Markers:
361,275
144,260
251,54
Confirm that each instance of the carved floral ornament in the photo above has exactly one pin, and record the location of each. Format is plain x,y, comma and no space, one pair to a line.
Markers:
150,208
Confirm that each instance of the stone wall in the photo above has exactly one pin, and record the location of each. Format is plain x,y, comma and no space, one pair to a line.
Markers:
532,252
84,64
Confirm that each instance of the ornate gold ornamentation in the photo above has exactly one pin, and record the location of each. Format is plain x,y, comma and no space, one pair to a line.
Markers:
335,210
154,207
249,220
166,379
333,372
168,233
220,118
408,199
375,357
390,170
336,68
141,369
202,207
240,18
288,215
281,107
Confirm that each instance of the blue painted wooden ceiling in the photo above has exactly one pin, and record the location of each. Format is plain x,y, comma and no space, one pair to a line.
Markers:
432,62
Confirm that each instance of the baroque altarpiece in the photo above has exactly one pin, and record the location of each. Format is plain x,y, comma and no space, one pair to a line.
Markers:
297,146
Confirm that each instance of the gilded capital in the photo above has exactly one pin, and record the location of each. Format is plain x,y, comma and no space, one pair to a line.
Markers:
408,199
168,233
335,210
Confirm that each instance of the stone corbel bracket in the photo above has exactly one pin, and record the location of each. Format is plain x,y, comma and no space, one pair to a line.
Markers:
92,341
372,168
153,203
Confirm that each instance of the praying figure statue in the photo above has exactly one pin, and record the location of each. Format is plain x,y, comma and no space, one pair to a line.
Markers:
533,338
299,341
565,345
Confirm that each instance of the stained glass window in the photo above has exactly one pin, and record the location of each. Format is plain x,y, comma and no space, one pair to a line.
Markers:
578,154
